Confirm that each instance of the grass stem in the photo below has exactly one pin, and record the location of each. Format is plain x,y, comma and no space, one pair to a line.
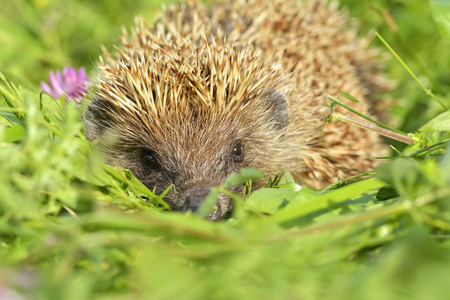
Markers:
364,116
427,91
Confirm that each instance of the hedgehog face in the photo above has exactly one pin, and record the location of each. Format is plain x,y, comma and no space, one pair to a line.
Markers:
191,150
193,160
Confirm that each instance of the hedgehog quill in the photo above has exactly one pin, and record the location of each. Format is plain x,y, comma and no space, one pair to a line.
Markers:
206,90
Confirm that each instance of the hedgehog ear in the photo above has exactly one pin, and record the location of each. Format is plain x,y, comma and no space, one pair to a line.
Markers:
278,108
96,119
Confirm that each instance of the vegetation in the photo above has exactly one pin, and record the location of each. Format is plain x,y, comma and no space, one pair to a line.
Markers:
74,228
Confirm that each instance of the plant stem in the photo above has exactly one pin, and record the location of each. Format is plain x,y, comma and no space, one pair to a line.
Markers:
365,117
385,132
427,91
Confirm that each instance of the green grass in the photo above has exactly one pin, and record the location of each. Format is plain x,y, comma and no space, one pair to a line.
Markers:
73,228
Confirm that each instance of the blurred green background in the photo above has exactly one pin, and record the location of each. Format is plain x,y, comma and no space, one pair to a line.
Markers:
41,35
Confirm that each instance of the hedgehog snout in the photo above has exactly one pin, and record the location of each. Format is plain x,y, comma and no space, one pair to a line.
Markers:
195,197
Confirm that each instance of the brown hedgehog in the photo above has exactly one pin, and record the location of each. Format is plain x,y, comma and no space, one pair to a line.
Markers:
206,90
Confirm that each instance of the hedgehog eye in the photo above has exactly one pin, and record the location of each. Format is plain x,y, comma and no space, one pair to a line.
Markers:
237,152
149,160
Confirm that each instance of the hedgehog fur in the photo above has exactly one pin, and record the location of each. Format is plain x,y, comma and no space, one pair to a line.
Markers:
206,90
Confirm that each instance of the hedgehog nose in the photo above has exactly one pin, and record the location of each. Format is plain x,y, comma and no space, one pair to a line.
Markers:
195,197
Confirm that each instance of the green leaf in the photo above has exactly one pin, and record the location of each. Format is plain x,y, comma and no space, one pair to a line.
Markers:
245,175
290,186
439,123
386,193
287,182
397,170
308,205
269,200
209,205
286,178
14,133
440,10
348,96
9,117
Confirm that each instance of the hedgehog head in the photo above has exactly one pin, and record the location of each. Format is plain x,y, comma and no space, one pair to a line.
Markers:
188,117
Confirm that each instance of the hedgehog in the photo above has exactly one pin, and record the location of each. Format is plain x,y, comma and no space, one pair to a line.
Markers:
207,89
